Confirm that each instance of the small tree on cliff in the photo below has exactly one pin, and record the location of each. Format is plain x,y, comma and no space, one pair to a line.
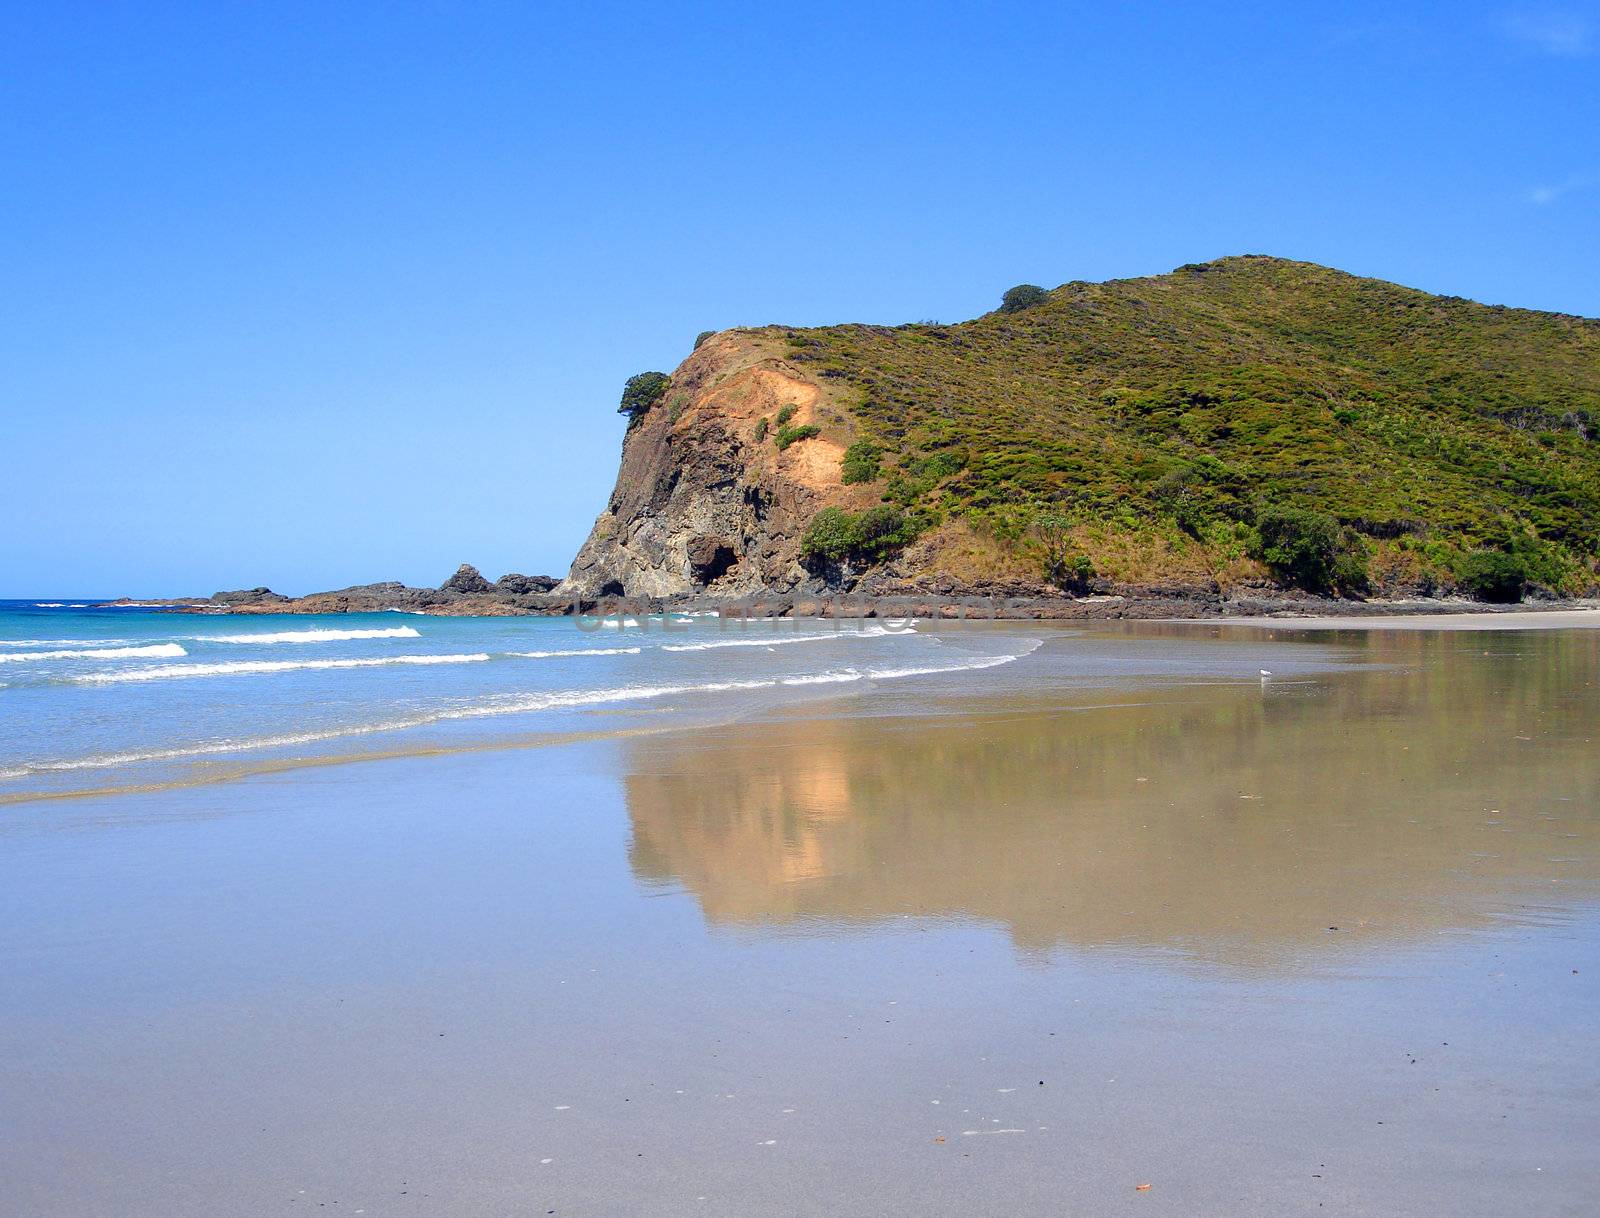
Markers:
641,392
1023,296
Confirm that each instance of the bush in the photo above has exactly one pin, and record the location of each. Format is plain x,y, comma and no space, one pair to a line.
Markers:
1300,546
786,413
1491,576
881,528
792,435
1023,296
835,534
1179,494
642,392
701,337
1065,570
1350,567
830,535
761,429
1070,573
860,463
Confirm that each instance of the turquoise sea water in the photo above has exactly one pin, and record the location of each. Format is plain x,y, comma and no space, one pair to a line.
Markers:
104,698
92,698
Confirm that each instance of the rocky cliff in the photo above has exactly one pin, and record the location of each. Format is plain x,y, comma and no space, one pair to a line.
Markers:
705,500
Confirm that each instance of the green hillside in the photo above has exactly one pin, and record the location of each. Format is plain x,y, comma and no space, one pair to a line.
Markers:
1238,406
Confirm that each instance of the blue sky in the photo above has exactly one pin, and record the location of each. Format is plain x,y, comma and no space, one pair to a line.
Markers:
310,295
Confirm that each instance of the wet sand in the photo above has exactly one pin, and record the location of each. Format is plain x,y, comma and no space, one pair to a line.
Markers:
1322,942
1506,619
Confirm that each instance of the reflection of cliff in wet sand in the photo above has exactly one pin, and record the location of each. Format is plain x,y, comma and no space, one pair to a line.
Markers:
1234,823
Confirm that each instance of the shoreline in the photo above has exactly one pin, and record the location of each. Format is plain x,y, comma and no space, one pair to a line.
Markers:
1174,605
237,768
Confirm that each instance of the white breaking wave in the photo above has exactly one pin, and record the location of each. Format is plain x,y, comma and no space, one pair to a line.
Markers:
516,705
825,678
576,651
891,674
63,642
778,640
311,636
48,605
233,668
154,651
213,749
589,697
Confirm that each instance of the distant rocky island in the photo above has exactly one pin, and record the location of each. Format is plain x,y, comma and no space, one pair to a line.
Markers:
1245,435
465,594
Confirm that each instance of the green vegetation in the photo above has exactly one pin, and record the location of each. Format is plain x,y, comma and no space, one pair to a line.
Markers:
1195,408
860,463
761,429
1071,572
1499,578
1309,550
1023,296
791,435
641,392
786,413
701,337
835,535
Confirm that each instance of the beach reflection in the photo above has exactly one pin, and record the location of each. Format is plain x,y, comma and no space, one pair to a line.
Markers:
1226,822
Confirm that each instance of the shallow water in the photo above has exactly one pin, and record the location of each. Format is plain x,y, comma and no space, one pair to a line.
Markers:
101,699
1014,939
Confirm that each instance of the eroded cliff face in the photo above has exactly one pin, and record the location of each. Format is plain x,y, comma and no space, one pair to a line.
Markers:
702,505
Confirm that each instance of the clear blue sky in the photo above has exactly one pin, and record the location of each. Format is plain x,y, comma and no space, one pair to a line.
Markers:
314,294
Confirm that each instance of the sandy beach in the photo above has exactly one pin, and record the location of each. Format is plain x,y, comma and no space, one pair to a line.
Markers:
1508,619
1315,942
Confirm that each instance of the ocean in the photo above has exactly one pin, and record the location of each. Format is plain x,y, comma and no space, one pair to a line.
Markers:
104,698
121,698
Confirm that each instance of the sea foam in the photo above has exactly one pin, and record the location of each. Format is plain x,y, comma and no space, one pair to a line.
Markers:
235,668
577,651
506,705
310,636
154,651
778,640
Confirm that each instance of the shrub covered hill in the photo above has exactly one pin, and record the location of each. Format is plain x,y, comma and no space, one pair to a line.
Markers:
1241,423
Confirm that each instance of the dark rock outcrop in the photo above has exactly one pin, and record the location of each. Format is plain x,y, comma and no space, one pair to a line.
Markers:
513,584
246,596
466,580
710,558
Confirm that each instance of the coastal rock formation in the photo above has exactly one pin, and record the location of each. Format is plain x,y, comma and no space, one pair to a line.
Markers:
1248,426
248,596
465,594
705,500
467,580
521,585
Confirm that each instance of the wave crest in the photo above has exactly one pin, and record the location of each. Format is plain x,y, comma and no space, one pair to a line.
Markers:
779,640
237,668
576,651
154,651
310,636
